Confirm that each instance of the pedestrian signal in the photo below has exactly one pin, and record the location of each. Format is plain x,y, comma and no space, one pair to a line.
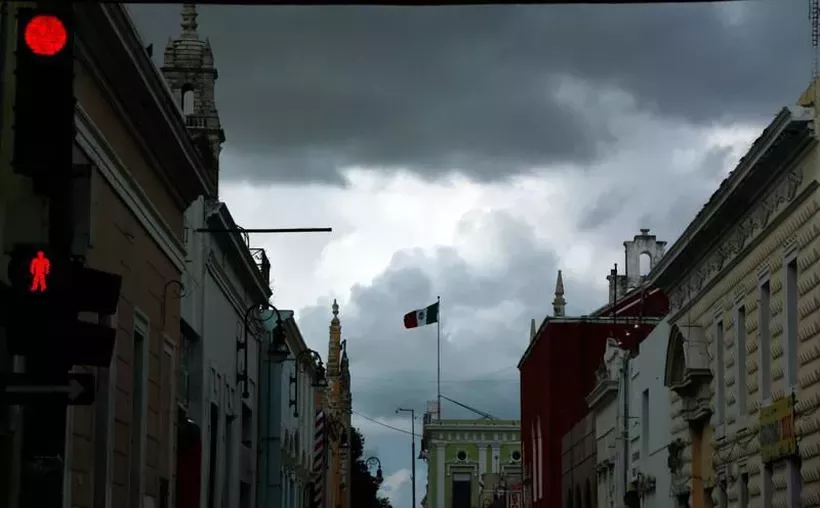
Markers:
39,268
30,269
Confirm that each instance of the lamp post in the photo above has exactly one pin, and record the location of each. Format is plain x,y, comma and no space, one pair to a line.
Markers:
379,477
319,379
412,448
278,350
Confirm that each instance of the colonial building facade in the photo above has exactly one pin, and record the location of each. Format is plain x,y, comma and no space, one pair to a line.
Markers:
472,462
130,202
742,352
558,368
632,433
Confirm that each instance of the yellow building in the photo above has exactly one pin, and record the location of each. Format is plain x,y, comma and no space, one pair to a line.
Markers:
338,405
744,288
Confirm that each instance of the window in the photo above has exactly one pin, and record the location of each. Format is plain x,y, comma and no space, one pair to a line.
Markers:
186,364
764,332
790,324
139,379
740,335
721,377
744,490
247,425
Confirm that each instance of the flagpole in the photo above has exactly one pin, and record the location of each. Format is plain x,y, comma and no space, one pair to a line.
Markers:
438,354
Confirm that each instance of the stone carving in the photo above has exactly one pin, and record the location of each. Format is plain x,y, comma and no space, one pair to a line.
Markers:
749,227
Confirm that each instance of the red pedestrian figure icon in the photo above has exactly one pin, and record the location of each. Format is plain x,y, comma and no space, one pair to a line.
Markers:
40,267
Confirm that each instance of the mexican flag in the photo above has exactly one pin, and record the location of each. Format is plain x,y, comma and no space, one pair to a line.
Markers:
421,317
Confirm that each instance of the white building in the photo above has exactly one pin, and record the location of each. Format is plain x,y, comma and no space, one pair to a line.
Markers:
218,389
298,410
643,417
649,410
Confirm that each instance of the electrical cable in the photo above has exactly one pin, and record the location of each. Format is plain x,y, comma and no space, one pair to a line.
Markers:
377,422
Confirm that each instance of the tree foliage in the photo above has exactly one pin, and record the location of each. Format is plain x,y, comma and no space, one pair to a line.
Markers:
363,486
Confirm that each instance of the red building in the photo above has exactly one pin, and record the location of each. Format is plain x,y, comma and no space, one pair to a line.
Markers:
557,372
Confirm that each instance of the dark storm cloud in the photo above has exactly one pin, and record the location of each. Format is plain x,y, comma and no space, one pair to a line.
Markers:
485,324
311,90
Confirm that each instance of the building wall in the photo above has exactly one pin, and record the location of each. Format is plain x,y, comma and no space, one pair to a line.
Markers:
135,230
730,447
297,430
578,465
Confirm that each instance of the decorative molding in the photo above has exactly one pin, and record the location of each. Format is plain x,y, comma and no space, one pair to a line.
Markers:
223,281
93,143
789,250
749,228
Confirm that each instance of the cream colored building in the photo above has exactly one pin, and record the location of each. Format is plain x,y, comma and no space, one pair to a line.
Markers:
744,288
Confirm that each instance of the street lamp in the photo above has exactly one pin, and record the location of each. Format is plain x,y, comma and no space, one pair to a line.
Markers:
375,460
278,350
319,379
412,448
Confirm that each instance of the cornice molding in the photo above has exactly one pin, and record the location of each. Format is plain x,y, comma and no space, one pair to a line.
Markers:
736,242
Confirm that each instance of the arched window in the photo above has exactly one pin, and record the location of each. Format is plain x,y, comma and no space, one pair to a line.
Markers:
188,100
588,494
644,263
578,499
569,498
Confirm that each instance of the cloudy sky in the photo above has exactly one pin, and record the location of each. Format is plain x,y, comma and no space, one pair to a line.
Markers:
471,152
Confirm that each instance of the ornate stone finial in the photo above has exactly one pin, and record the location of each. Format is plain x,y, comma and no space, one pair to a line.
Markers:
335,320
189,24
532,329
645,231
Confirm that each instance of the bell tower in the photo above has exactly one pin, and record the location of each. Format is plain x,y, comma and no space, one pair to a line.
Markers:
189,70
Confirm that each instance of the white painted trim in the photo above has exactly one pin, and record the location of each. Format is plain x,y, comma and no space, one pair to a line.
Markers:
764,370
112,321
93,143
143,326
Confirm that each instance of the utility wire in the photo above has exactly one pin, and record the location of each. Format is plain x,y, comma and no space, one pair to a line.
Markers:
377,422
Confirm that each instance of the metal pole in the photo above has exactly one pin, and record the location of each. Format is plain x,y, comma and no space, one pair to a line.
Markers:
413,452
438,358
267,230
626,420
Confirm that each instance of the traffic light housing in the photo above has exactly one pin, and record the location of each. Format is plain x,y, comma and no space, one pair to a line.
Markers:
46,296
44,94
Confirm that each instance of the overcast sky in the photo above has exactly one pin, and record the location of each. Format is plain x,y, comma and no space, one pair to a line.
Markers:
471,152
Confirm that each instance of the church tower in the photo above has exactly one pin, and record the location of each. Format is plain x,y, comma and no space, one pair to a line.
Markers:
189,70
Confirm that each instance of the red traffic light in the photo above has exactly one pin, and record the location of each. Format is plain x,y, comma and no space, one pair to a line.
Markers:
45,35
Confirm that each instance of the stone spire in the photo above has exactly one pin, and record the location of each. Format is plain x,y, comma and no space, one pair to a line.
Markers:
558,304
334,346
188,67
